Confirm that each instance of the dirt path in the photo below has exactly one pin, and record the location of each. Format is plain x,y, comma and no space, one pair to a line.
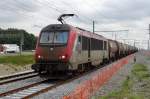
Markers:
7,69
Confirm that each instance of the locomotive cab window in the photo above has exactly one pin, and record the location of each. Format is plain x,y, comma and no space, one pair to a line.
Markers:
79,46
79,39
96,44
60,37
85,42
54,37
105,45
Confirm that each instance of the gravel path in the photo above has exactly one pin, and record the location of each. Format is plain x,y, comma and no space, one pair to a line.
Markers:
143,86
8,69
114,84
116,81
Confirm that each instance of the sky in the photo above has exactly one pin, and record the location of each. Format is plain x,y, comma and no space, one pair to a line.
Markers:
109,15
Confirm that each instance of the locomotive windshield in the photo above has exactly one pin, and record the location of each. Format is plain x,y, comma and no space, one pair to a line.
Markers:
54,37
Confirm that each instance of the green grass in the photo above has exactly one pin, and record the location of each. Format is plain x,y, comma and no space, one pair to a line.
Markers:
124,93
17,59
140,72
148,58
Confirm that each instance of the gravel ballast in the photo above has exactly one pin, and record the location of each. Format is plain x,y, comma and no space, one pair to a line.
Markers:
18,84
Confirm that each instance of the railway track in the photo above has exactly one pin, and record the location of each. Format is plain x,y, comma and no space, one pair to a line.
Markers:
37,88
17,77
17,90
32,90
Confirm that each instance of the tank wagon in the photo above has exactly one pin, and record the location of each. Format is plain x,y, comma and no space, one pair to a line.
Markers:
113,49
62,47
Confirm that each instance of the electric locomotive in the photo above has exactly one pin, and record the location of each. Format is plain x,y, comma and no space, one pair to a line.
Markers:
62,47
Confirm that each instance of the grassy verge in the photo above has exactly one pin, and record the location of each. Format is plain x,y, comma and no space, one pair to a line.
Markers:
17,59
140,74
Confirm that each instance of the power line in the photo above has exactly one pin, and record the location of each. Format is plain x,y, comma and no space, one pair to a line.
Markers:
48,4
75,12
113,31
11,6
78,16
96,10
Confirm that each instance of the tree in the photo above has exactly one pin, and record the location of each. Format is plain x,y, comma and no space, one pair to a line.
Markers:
29,39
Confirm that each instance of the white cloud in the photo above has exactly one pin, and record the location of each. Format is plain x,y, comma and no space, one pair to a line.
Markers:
32,15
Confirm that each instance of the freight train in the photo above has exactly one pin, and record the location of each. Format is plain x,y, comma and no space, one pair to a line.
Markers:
62,47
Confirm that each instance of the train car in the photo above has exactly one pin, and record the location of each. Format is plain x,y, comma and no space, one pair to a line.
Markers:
121,49
113,49
126,49
130,49
133,49
61,47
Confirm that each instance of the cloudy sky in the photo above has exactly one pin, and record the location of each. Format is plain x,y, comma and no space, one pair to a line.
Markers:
109,15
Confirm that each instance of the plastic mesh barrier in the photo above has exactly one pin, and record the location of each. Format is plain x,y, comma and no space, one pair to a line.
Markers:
88,87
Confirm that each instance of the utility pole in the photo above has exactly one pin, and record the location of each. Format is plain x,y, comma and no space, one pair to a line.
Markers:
21,41
148,44
115,36
93,26
149,38
149,31
134,43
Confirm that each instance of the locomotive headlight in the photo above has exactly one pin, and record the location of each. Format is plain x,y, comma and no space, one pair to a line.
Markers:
62,57
39,56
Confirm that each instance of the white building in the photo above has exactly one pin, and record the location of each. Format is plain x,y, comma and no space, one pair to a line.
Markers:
11,48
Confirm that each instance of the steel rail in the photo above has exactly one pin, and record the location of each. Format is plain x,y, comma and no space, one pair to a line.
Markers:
21,88
17,79
57,84
16,75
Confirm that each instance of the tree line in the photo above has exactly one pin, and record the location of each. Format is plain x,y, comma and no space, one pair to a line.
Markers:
29,39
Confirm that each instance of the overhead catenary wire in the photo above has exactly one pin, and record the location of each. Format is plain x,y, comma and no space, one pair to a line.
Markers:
25,8
10,5
53,6
48,4
85,19
60,11
80,18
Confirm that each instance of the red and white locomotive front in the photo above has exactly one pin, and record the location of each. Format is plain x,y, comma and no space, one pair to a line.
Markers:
54,48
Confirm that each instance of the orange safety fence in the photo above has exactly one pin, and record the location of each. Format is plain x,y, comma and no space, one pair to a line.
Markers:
88,87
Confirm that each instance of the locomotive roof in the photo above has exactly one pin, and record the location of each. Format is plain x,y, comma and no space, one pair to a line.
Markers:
91,34
58,27
67,27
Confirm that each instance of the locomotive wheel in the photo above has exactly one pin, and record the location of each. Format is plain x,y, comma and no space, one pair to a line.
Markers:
85,67
81,68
